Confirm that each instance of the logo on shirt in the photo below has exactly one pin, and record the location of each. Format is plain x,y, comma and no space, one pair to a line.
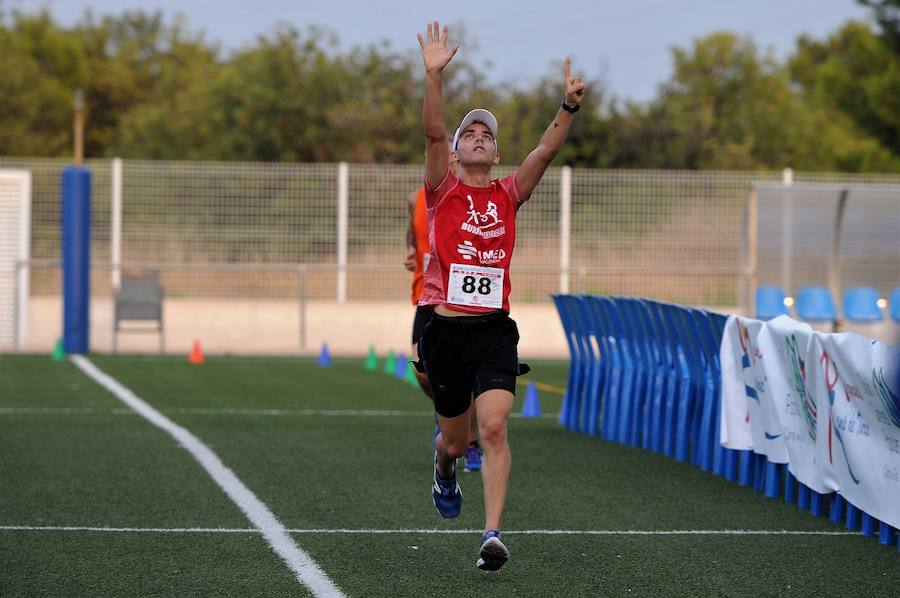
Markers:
491,256
486,225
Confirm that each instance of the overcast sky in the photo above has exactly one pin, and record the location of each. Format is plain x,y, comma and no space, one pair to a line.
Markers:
626,43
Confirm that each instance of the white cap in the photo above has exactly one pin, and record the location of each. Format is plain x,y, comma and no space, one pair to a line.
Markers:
479,115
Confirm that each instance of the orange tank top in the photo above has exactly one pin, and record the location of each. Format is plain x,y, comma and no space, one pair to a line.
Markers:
420,229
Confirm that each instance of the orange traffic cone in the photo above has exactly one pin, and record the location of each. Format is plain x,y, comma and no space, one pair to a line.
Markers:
196,356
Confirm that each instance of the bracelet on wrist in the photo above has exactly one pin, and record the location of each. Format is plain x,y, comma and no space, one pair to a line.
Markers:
570,109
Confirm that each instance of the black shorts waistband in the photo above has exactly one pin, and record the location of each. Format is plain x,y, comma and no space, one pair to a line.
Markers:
493,316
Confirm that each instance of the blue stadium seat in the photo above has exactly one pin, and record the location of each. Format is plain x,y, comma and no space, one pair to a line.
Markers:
814,304
770,303
895,305
861,305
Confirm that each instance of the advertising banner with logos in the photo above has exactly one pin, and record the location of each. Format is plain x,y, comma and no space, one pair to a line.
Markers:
827,405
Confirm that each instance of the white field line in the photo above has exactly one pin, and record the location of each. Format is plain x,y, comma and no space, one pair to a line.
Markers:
303,566
401,531
233,411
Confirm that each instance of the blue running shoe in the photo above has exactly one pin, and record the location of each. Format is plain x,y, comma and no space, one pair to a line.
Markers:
473,457
493,552
445,494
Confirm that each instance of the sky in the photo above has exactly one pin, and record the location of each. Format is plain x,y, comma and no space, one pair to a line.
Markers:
625,44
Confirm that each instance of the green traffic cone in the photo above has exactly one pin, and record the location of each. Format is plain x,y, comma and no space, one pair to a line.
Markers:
390,364
371,360
59,353
411,375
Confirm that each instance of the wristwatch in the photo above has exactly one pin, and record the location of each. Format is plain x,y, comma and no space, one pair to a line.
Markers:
572,109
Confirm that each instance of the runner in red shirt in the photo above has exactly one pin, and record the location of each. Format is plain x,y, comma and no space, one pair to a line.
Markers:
469,347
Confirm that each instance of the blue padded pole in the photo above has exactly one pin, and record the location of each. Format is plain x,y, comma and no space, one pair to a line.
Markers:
76,254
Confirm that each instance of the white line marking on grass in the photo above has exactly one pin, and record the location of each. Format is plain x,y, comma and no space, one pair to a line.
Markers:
236,411
320,412
130,530
302,412
65,410
303,566
401,531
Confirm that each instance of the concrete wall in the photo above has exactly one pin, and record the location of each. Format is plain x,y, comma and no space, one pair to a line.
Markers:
273,327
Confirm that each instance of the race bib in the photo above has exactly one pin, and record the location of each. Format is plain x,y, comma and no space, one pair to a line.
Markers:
475,285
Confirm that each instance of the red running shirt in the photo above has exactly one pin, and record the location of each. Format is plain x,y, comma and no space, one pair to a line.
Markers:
472,233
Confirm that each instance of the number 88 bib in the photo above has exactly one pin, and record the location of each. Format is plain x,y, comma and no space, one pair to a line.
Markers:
475,285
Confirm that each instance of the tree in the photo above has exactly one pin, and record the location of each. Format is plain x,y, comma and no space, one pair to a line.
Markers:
856,73
887,15
137,61
727,106
41,67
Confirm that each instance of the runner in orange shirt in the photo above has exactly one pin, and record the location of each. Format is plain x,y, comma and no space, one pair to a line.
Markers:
417,256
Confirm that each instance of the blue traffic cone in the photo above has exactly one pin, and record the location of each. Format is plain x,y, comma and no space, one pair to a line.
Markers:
400,366
324,357
532,405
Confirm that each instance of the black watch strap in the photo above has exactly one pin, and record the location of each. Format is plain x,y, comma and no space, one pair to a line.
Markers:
571,109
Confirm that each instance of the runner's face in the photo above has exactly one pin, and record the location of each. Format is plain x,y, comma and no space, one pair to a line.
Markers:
476,145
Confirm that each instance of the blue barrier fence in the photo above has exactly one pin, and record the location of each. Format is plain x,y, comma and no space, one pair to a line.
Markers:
647,374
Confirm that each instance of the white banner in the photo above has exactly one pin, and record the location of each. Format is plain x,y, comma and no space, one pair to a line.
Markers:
859,447
789,346
735,412
828,405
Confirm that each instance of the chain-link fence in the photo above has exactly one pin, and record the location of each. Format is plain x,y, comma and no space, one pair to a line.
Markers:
240,231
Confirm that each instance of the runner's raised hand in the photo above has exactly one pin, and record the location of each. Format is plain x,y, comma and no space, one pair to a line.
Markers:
435,53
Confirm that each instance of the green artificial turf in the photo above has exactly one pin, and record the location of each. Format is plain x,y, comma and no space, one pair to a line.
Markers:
302,438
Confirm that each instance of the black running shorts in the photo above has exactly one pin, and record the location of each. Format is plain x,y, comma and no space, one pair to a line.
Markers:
423,316
466,356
